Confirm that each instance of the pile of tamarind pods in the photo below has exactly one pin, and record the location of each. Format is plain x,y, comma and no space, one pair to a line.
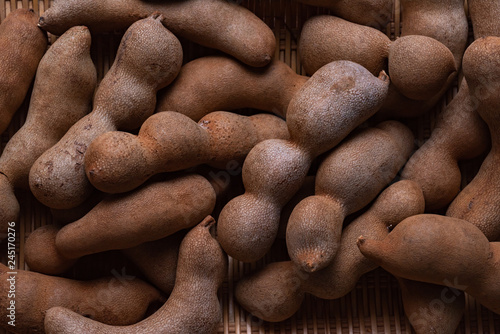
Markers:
126,162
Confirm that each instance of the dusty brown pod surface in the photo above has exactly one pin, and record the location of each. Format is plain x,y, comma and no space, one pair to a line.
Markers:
106,299
148,58
243,35
326,38
373,13
287,284
459,134
484,16
478,201
22,45
436,249
170,141
213,83
67,64
193,306
333,102
420,66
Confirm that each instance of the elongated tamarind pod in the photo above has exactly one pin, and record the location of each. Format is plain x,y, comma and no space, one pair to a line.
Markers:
432,308
440,250
484,14
22,45
218,24
373,13
148,58
215,83
169,141
288,284
326,38
478,202
347,180
460,134
193,306
333,102
52,111
443,20
167,206
106,299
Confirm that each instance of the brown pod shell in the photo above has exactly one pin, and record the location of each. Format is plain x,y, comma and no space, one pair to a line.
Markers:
242,35
484,17
443,20
287,284
420,66
106,299
193,306
373,13
214,83
67,64
478,201
125,98
459,134
326,38
169,141
22,45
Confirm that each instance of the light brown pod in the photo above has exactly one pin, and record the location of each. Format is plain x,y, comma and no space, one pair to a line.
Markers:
420,66
193,306
443,20
326,38
347,180
110,300
432,308
373,13
459,134
214,83
148,58
218,24
288,284
169,141
484,16
22,45
440,250
68,65
334,101
479,201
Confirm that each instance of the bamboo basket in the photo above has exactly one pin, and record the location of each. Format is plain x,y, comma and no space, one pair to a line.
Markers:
374,306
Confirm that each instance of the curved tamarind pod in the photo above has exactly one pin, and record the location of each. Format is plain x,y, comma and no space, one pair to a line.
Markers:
440,250
215,83
443,20
148,58
193,306
326,38
373,13
478,202
22,45
167,207
218,24
460,134
347,180
106,299
52,111
288,284
432,308
334,101
484,14
169,141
